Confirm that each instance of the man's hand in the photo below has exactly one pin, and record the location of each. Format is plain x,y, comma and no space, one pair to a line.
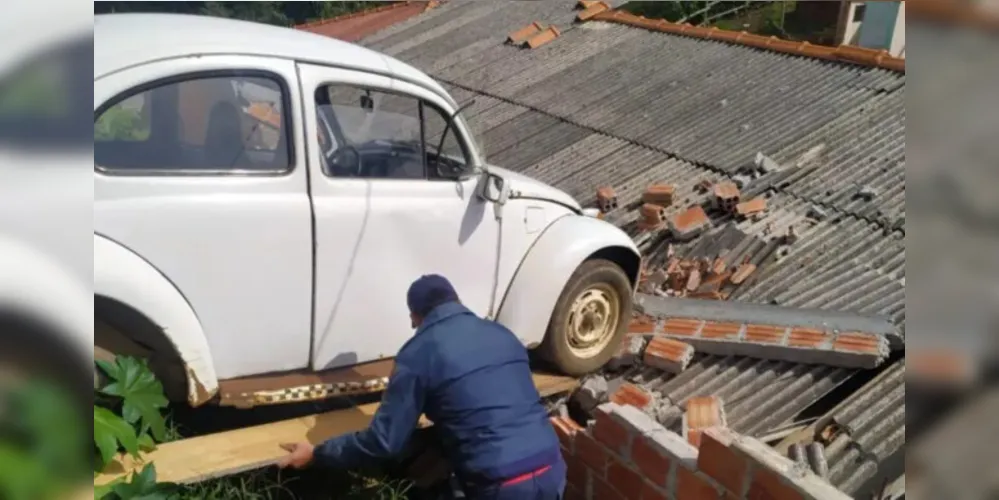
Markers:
299,455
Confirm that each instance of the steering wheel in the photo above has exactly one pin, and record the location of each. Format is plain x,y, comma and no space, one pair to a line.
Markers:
345,161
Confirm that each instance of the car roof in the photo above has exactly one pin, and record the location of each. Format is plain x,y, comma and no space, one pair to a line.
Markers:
125,40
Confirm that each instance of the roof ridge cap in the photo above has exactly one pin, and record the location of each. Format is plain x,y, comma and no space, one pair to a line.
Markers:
364,12
843,53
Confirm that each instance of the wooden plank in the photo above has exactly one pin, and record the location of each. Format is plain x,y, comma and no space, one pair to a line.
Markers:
225,453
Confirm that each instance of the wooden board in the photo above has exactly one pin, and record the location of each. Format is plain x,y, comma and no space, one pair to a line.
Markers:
216,455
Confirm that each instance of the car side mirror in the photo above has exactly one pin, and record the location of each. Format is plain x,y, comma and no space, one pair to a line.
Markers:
494,188
367,103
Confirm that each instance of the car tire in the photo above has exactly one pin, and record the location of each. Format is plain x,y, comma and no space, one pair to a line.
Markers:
590,318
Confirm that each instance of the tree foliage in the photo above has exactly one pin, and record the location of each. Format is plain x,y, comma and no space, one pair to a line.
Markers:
277,13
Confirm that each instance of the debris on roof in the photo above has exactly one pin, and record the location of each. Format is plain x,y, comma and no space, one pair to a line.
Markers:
751,207
690,223
591,10
544,36
613,106
659,194
523,34
606,199
653,217
667,354
702,413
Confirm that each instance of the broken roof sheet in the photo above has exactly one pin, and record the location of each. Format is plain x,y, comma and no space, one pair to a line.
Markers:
612,105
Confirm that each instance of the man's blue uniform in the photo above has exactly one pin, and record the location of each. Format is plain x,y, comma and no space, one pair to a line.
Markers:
472,379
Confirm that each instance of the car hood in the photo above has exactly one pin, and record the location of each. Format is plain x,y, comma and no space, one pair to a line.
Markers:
522,186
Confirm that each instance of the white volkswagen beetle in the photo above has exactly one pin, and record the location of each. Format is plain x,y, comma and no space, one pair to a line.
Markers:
263,197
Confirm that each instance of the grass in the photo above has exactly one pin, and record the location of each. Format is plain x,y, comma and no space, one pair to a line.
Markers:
274,484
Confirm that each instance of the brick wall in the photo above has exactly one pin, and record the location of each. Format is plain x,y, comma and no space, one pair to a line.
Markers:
625,454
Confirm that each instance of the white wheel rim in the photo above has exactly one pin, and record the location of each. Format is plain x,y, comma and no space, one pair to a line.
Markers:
592,321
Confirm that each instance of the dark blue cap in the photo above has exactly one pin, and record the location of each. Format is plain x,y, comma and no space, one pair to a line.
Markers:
428,292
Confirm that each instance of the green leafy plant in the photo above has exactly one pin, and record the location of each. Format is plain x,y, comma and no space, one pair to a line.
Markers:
44,445
138,396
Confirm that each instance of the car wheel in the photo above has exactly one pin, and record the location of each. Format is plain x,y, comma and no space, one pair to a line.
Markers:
590,318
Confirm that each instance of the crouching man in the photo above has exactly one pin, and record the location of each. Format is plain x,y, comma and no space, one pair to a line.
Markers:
471,378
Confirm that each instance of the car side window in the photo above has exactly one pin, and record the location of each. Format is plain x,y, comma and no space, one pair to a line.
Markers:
196,124
384,135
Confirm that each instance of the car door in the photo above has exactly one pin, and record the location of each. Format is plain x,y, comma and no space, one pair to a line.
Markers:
385,215
199,171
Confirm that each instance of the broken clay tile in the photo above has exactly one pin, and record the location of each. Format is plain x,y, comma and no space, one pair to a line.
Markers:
686,327
586,4
592,11
754,206
546,35
742,273
668,354
659,194
673,265
521,35
694,280
633,395
719,331
606,199
718,266
689,223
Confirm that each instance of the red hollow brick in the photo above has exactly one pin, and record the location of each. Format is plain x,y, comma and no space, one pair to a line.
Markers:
719,459
606,199
720,331
653,216
659,194
651,462
806,337
577,473
765,334
756,205
650,492
857,342
625,479
602,490
726,190
566,429
573,493
592,453
684,327
668,354
691,219
612,433
693,486
642,324
767,485
631,394
702,412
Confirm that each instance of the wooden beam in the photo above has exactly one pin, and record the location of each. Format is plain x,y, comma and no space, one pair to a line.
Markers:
225,453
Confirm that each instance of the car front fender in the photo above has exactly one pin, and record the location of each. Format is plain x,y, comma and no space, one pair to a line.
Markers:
121,275
530,299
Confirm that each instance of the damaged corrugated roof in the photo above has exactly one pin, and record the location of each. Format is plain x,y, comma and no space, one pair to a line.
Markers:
608,105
